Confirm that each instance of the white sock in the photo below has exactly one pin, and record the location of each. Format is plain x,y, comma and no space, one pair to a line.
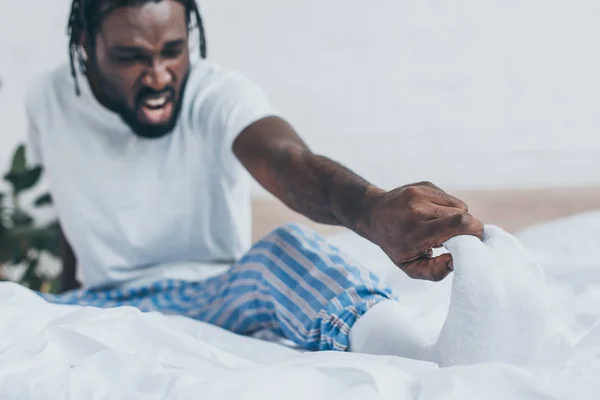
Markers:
386,329
497,309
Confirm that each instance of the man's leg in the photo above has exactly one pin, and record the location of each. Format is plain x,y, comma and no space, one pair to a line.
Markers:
295,284
292,283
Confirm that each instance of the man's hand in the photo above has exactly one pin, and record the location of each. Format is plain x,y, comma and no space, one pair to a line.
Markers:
407,223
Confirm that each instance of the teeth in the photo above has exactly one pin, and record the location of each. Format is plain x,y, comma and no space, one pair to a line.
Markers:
158,102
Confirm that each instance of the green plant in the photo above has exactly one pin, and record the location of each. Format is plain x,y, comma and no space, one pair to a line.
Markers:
22,241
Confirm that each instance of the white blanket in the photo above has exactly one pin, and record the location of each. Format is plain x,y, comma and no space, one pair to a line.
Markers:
57,352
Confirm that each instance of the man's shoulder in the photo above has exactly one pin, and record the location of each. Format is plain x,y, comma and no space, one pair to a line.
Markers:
207,70
48,84
208,76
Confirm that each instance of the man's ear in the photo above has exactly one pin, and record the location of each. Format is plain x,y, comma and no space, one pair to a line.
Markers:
84,52
85,47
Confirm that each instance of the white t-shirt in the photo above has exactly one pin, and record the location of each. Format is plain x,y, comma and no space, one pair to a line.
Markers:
135,209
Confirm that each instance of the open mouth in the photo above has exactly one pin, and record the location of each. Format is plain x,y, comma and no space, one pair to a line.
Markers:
156,108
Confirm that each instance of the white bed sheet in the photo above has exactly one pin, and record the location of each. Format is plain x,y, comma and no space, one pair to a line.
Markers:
58,352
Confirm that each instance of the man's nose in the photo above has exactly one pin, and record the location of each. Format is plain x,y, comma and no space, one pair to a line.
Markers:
157,76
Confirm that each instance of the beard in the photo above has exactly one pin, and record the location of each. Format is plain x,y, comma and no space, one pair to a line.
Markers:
151,130
112,98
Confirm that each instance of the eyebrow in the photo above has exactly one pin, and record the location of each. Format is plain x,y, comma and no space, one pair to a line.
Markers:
137,50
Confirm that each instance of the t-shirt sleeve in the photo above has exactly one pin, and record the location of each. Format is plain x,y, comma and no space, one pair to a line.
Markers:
234,103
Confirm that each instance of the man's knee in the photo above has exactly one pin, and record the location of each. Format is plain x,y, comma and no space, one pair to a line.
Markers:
292,243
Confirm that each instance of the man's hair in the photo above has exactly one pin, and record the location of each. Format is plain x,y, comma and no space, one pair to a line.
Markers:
87,16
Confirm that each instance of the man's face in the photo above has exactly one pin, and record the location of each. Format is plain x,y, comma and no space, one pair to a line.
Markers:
140,64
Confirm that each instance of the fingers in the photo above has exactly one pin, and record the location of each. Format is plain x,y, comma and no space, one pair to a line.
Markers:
431,211
457,244
439,231
430,269
496,236
417,218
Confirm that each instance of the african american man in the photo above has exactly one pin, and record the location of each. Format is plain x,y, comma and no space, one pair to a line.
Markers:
149,153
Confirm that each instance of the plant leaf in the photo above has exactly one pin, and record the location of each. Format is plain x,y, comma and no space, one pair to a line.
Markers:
43,200
30,278
3,215
19,255
47,239
22,181
21,219
19,161
12,248
6,251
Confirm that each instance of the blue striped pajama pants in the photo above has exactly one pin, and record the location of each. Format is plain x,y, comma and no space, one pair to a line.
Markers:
292,283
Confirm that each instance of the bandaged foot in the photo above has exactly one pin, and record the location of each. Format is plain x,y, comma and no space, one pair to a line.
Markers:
497,309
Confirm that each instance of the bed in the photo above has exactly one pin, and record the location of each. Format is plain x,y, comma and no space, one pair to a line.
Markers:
58,352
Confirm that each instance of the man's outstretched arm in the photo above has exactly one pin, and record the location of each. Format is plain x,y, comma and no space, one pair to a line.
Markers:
406,222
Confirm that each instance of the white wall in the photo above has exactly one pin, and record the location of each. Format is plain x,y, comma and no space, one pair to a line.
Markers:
468,94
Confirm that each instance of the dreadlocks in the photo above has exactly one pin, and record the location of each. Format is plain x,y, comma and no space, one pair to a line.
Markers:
87,15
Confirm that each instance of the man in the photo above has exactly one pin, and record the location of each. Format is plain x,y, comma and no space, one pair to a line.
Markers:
148,161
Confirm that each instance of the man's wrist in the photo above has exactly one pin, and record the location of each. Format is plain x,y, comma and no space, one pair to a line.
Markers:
365,220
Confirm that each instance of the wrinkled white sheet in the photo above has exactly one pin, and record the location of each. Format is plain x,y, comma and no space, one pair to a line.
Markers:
57,352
